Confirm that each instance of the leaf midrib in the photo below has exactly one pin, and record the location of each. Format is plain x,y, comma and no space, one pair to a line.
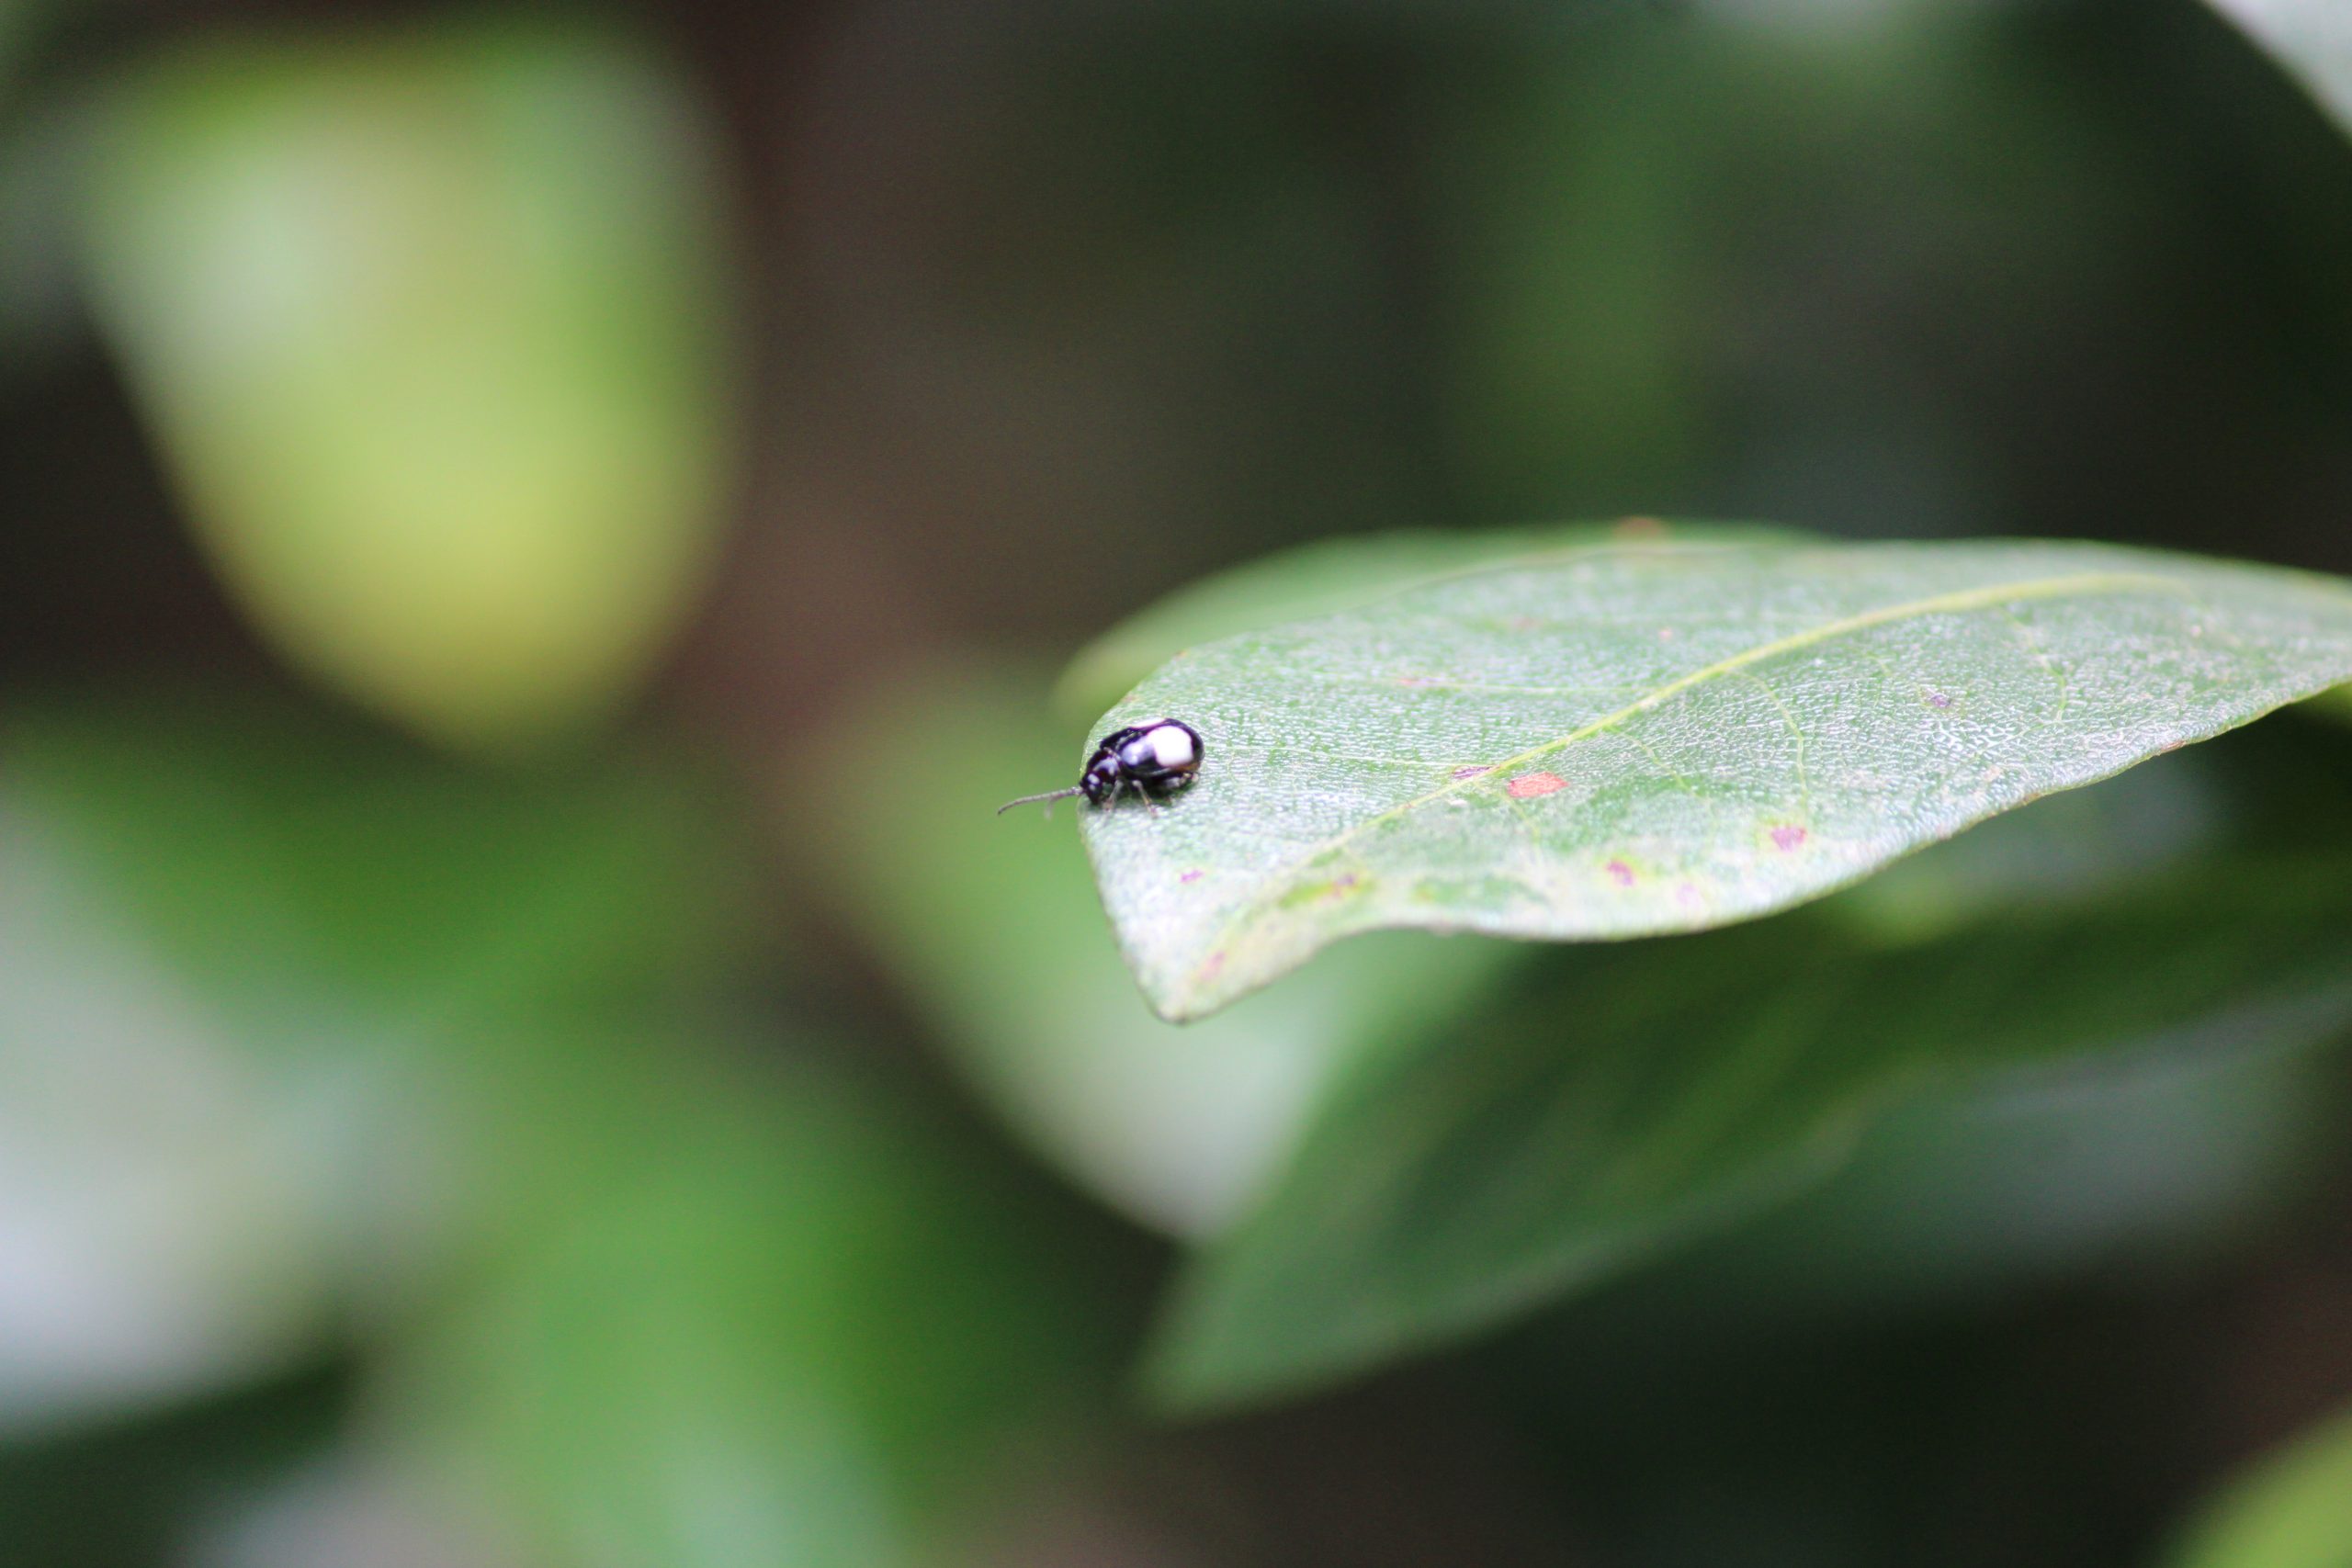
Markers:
1955,602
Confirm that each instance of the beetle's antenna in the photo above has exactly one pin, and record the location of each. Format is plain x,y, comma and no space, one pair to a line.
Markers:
1049,795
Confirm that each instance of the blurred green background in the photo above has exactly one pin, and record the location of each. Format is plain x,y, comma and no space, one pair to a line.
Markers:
532,539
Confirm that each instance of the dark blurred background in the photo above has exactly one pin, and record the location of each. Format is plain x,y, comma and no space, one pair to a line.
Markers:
530,536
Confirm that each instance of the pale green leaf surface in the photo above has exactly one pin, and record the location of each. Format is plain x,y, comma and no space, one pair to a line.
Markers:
1317,580
2292,1509
1637,738
1639,1095
2064,851
992,927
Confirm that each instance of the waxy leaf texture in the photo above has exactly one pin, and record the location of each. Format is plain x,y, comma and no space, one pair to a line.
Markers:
1630,738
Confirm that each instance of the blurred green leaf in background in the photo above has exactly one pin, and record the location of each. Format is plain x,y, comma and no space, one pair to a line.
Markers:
2313,38
246,947
1648,1092
16,25
2292,1510
434,329
323,1038
800,1331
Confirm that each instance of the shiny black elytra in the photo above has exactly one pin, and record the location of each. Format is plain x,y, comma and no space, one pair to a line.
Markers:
1154,759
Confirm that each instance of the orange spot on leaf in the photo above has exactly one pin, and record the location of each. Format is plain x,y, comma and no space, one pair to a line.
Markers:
1527,787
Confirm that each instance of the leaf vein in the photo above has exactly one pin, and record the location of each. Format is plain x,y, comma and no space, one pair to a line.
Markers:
1958,601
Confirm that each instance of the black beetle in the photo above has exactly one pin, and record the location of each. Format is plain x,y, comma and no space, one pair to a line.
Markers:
1154,759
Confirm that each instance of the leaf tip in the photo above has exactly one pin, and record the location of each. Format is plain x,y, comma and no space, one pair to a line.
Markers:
1191,1372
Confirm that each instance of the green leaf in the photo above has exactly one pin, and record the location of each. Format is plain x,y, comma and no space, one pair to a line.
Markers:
1990,1188
2155,1163
259,850
162,1238
432,334
2313,38
1642,1094
19,20
1638,739
293,1016
1317,580
2292,1509
993,928
798,1330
